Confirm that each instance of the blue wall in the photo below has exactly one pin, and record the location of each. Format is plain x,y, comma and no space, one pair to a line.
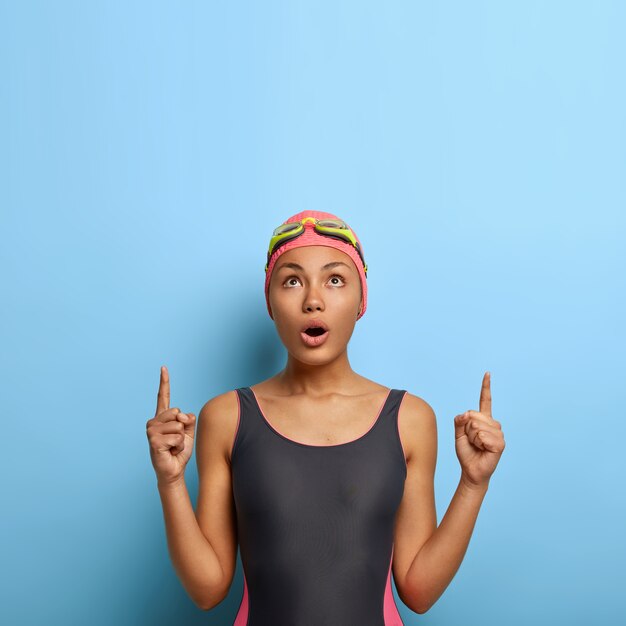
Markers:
478,149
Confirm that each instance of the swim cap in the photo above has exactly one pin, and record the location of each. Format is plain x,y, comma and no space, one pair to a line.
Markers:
311,238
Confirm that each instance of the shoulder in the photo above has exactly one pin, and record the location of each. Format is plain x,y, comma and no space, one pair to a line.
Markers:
417,425
218,421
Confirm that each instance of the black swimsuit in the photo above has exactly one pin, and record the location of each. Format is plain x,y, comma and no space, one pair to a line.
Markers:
315,523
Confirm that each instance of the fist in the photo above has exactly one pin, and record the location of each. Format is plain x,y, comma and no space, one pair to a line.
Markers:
479,439
170,434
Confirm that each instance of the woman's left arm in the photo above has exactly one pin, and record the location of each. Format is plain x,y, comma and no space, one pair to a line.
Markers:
431,557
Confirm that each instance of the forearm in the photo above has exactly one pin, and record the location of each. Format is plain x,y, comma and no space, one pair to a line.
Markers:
193,558
438,560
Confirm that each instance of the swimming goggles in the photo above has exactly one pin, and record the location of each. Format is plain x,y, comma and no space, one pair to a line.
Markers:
329,228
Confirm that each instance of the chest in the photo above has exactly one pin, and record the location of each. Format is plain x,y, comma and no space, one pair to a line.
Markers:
291,480
321,423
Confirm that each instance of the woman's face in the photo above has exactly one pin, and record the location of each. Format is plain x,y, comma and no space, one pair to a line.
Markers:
315,282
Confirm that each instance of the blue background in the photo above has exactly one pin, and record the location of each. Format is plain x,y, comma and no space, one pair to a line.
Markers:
147,149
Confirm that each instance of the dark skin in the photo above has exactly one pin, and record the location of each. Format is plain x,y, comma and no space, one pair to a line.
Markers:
317,381
317,399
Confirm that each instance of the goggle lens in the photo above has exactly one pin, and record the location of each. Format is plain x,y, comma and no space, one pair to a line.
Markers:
332,224
284,229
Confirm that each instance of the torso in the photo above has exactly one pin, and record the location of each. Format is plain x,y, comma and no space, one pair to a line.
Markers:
345,418
317,483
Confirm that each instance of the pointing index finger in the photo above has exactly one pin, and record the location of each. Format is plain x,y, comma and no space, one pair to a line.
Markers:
485,395
163,397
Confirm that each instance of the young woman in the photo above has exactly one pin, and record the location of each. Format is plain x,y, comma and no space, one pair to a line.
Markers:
322,477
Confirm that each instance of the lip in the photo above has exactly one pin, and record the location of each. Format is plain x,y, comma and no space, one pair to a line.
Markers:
312,342
315,322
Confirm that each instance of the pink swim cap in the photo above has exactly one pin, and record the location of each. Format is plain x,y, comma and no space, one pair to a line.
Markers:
310,238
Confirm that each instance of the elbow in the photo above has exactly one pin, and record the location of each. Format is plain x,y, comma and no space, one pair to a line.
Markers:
419,608
423,609
205,606
416,602
208,599
208,604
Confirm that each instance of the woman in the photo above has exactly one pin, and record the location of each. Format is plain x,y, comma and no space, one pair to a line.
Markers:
324,478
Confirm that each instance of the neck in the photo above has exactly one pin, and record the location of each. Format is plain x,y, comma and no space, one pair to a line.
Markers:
317,380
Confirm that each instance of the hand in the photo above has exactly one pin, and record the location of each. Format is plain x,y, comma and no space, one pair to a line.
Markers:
170,433
479,440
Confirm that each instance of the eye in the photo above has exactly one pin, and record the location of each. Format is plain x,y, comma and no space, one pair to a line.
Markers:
286,283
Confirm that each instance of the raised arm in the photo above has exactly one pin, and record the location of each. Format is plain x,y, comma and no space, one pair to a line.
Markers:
201,550
427,557
215,510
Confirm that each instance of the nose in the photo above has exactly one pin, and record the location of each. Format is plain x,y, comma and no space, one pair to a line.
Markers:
313,300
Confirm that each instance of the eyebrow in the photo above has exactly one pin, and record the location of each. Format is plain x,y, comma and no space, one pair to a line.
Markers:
295,266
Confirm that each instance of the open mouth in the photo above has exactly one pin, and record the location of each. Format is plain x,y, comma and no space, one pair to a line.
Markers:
316,331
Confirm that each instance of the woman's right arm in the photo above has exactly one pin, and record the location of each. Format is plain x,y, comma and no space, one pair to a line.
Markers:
202,545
